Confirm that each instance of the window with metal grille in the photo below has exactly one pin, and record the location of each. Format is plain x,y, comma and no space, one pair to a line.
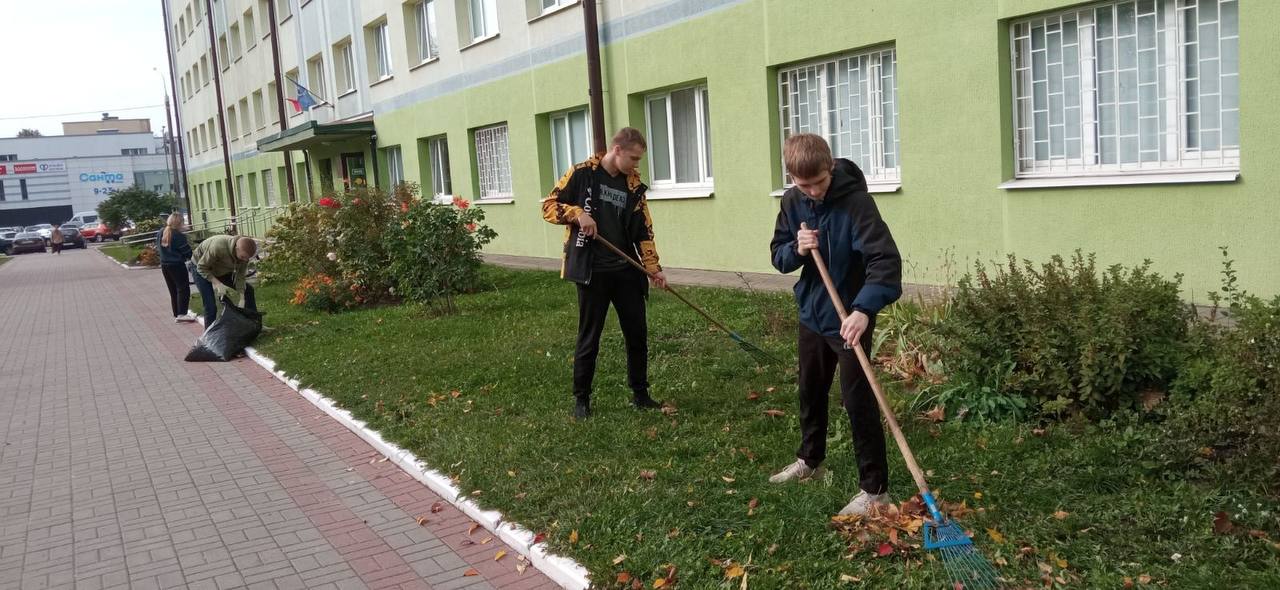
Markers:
1128,86
852,102
428,47
679,137
493,162
268,187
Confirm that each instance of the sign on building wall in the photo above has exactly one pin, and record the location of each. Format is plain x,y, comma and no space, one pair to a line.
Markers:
16,168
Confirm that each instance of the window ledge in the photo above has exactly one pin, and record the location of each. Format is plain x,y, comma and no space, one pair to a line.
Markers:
425,62
386,78
683,192
1123,179
879,187
479,41
286,18
442,199
554,11
251,47
348,92
495,201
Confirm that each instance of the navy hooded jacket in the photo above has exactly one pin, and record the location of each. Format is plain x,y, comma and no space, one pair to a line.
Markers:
855,243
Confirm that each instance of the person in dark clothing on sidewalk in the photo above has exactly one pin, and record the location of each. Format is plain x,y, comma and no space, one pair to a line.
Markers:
604,196
828,209
175,251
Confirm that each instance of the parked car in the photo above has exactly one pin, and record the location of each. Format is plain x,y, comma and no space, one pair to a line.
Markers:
27,242
99,231
44,229
6,240
85,217
71,237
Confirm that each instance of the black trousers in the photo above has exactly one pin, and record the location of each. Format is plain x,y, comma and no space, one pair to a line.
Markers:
819,358
626,290
175,278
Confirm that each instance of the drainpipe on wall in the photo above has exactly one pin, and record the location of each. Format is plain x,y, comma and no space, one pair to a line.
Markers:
373,156
284,125
175,129
591,28
222,121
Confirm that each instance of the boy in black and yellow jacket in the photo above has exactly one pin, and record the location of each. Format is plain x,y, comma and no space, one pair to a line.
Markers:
604,196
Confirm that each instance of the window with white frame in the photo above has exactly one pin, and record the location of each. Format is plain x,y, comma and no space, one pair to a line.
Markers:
283,10
232,123
268,188
237,49
484,18
395,165
550,5
1128,86
382,49
441,185
679,138
250,33
346,72
315,77
570,139
428,46
493,162
852,102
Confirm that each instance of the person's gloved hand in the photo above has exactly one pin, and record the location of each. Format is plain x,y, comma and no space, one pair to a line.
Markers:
221,290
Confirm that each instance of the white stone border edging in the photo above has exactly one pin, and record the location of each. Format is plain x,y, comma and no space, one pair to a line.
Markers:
562,570
122,265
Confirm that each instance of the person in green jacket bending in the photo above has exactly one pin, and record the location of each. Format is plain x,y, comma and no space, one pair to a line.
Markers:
220,264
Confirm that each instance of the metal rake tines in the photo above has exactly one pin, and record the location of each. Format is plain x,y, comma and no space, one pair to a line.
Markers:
965,565
758,353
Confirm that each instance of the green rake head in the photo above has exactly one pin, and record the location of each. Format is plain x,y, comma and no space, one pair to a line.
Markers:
968,569
756,352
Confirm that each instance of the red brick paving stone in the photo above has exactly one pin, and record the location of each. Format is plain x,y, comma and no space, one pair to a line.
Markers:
160,471
322,506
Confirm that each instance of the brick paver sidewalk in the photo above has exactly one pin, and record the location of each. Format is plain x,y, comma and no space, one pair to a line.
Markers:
123,466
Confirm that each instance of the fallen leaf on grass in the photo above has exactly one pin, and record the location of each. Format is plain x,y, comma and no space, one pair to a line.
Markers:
1128,582
753,396
1257,534
751,506
884,550
573,537
772,549
734,571
775,413
623,577
471,572
455,394
538,538
935,415
1222,523
648,474
1038,431
619,559
849,579
995,535
660,583
727,479
1061,515
669,410
1144,579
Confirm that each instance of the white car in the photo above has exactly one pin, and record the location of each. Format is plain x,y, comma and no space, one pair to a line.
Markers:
85,217
44,229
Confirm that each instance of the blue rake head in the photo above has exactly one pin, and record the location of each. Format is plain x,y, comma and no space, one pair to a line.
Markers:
965,565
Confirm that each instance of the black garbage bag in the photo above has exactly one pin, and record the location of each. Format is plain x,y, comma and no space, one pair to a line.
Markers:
234,329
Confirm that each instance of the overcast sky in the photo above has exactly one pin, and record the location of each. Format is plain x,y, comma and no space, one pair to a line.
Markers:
81,56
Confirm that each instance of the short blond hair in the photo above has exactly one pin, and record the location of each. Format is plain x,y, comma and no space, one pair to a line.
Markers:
629,137
806,155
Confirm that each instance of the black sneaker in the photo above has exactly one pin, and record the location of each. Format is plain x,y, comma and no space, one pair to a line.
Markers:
644,402
582,408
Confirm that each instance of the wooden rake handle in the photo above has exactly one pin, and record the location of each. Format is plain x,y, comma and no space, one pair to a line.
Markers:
667,287
871,376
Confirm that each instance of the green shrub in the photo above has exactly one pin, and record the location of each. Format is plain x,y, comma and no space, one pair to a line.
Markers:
148,225
360,224
1062,338
435,251
300,241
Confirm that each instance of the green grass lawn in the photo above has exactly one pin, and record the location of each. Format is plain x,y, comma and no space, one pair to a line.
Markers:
485,396
4,259
123,253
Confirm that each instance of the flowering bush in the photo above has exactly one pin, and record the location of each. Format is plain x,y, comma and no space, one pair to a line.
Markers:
435,251
366,247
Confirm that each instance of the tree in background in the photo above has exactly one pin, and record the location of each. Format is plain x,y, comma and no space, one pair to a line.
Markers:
135,204
30,133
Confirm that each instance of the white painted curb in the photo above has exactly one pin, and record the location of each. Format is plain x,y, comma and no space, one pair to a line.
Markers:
121,264
562,570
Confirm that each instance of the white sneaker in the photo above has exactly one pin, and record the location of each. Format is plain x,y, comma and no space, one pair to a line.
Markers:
798,471
186,317
863,503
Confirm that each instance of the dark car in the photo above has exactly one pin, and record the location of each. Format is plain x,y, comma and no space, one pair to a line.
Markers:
6,239
27,242
71,237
